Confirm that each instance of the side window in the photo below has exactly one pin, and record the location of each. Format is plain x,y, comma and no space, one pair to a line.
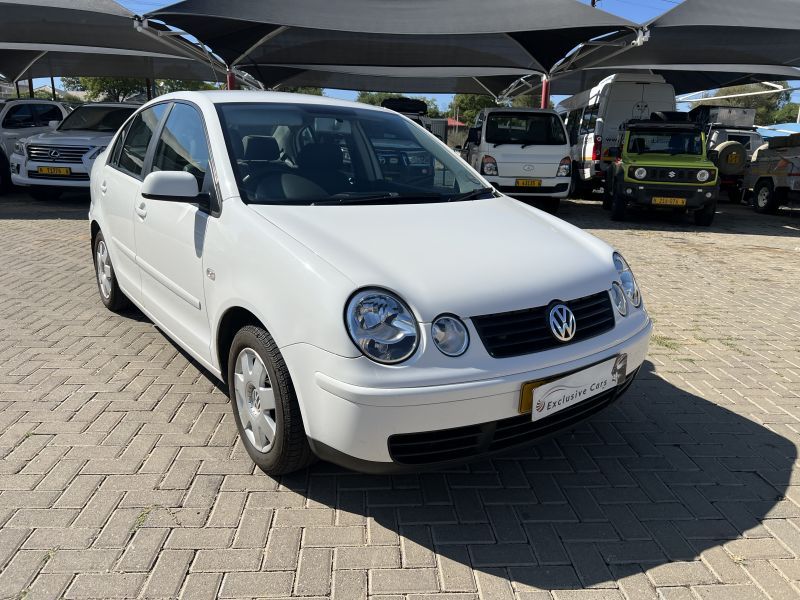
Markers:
137,140
44,113
116,151
573,126
183,145
19,116
589,119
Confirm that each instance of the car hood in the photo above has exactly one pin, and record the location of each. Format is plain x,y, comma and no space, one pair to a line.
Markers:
72,138
468,258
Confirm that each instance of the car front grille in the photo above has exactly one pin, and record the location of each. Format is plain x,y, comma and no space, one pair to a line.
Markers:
678,175
70,177
66,154
460,443
528,331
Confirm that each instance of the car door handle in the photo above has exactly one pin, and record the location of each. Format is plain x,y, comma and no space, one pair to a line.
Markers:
141,210
103,187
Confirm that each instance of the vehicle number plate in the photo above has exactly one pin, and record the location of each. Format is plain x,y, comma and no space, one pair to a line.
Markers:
529,183
54,170
549,396
669,201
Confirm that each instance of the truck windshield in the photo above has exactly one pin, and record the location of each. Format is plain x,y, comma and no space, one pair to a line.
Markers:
658,141
530,129
96,118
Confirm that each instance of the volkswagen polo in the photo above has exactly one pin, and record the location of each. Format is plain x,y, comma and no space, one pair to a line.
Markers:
357,310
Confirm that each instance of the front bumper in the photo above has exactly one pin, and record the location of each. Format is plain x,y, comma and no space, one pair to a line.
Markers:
24,172
352,425
551,187
643,194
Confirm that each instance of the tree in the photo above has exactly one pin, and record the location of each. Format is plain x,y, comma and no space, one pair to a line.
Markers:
766,105
529,101
165,86
467,106
787,113
117,89
311,91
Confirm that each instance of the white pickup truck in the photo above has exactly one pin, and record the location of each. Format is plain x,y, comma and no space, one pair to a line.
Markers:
773,174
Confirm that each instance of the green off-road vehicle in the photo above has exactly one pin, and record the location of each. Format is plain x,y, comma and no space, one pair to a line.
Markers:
662,163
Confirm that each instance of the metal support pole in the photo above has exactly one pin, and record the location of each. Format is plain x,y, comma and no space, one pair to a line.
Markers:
16,83
53,88
148,84
30,87
230,79
545,92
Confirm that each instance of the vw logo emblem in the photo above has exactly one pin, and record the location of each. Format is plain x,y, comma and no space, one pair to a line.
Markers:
528,168
672,174
54,153
562,323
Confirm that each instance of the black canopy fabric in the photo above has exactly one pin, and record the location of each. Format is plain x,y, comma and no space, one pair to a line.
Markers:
85,37
526,34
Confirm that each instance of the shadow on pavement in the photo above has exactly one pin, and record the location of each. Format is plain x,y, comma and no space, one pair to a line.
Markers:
661,476
19,205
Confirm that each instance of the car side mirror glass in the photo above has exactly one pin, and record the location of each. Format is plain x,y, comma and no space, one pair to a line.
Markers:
474,135
174,186
457,147
713,155
53,124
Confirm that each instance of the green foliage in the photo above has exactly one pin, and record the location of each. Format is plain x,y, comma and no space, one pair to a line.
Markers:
311,91
467,106
165,86
767,106
529,101
117,89
787,113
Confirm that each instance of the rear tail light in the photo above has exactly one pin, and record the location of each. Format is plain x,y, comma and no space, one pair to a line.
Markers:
596,149
564,167
488,165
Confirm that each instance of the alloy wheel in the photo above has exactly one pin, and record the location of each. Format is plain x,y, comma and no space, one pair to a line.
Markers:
103,264
255,400
763,197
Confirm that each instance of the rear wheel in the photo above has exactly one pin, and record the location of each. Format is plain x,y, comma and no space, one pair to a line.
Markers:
110,294
705,216
766,198
265,405
619,208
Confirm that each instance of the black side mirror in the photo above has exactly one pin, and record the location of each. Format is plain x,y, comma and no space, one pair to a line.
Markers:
713,156
474,135
614,153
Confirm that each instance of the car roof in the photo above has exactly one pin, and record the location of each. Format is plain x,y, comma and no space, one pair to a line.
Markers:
110,104
683,125
521,109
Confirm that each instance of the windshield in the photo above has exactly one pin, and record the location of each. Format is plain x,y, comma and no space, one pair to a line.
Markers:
96,118
529,129
658,141
315,154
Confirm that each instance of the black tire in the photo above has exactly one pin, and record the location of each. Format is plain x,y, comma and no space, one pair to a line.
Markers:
43,194
289,449
766,200
5,175
705,216
110,294
737,195
619,208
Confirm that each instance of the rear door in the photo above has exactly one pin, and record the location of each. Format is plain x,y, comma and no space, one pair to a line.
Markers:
170,236
119,185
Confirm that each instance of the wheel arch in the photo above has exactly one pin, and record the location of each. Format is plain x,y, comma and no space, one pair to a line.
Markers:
95,229
233,319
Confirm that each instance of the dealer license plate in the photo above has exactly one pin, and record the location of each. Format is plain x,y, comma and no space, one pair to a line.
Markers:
550,396
529,183
54,170
669,201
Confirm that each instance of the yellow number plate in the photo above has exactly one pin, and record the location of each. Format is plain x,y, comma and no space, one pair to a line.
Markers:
54,170
669,201
529,183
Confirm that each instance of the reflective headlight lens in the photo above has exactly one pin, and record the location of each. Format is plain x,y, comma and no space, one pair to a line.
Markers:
703,175
628,281
382,326
488,165
19,147
450,335
564,167
640,173
618,298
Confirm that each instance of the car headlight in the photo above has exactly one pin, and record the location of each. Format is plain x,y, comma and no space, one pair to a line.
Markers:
450,335
488,165
703,175
382,326
627,280
19,147
564,167
97,152
640,173
618,298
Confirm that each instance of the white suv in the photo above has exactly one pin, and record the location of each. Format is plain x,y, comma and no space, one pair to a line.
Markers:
51,162
20,118
358,311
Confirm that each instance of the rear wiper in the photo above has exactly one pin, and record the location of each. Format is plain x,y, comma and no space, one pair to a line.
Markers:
471,195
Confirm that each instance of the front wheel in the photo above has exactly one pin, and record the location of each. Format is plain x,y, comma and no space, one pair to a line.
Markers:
705,216
265,405
766,198
110,294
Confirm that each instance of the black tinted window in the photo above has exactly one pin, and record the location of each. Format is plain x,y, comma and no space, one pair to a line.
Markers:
182,145
44,113
19,116
97,118
138,138
541,129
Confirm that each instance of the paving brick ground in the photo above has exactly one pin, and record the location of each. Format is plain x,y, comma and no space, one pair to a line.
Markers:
121,475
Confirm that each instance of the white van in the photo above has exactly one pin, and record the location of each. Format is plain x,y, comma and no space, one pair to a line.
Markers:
523,152
594,117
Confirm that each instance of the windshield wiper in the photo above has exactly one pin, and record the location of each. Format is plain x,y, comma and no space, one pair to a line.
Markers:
378,199
471,195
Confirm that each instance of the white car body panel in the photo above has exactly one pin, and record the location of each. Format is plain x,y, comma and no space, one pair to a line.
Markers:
295,267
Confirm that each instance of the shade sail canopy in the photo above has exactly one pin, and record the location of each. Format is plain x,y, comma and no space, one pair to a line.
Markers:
87,38
525,34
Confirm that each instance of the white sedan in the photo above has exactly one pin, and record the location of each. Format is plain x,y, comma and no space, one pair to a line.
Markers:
367,297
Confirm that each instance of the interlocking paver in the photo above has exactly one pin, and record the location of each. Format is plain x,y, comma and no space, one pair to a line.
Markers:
121,474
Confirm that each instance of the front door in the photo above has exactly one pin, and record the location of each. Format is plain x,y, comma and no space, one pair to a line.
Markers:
170,236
